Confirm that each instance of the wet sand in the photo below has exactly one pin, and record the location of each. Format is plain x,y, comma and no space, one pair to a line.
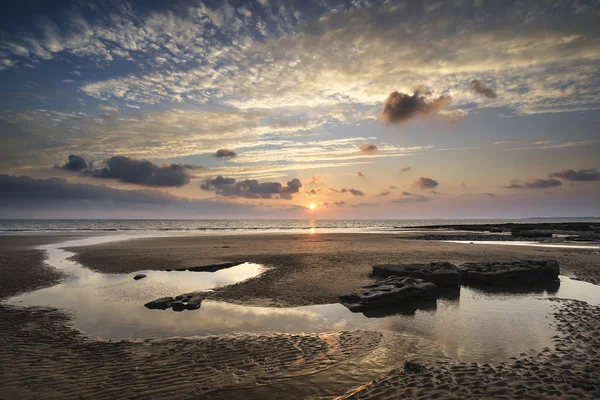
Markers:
41,357
311,269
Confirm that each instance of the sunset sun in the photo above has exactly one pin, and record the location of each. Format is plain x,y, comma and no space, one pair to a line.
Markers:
312,206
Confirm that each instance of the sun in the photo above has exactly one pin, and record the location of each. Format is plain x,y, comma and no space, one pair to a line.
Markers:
312,206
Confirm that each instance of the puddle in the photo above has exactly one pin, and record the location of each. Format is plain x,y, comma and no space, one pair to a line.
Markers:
472,324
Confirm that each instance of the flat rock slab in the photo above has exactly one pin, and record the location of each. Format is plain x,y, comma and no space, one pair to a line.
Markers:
179,303
388,292
509,273
442,274
139,276
209,267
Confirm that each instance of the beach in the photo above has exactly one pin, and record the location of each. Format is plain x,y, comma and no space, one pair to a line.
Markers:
45,356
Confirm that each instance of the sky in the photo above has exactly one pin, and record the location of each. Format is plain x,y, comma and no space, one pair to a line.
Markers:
299,109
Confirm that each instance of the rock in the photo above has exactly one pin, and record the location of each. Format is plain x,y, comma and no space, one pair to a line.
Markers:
214,267
160,304
178,305
411,366
509,273
193,303
443,274
390,291
139,276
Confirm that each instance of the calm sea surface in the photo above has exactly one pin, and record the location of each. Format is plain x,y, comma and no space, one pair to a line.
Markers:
13,226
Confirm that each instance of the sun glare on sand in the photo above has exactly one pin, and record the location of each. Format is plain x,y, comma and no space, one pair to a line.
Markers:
312,206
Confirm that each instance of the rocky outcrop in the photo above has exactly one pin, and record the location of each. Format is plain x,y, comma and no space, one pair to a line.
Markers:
179,303
139,276
443,274
160,304
208,267
388,292
509,273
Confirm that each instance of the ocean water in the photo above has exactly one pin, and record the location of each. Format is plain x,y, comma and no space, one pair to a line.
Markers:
14,226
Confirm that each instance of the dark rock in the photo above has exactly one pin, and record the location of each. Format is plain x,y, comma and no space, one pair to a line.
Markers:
509,273
139,276
390,291
178,305
193,303
442,274
160,304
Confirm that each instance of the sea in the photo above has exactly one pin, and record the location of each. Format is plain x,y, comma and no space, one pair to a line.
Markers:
212,226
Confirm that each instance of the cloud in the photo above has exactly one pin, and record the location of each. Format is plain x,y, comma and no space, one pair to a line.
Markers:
15,189
354,192
251,188
361,175
533,184
582,175
425,183
340,203
405,169
226,153
368,148
142,172
75,163
488,194
481,89
400,107
384,193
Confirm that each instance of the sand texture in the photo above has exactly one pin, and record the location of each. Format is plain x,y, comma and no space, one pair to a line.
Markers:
41,357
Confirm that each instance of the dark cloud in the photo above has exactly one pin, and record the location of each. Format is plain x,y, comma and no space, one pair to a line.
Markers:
533,184
355,192
405,169
75,163
226,153
23,196
392,187
15,189
384,193
251,188
400,107
340,203
425,183
481,89
488,194
581,175
368,148
361,175
142,172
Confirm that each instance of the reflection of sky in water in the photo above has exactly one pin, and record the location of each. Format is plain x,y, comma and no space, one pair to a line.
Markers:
474,325
531,244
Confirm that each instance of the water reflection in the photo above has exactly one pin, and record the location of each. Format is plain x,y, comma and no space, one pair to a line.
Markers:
471,324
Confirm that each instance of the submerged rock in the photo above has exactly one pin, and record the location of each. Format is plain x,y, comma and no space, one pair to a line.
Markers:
443,274
160,304
509,273
390,291
139,276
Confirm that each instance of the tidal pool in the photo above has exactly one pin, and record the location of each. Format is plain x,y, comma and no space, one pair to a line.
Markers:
470,324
